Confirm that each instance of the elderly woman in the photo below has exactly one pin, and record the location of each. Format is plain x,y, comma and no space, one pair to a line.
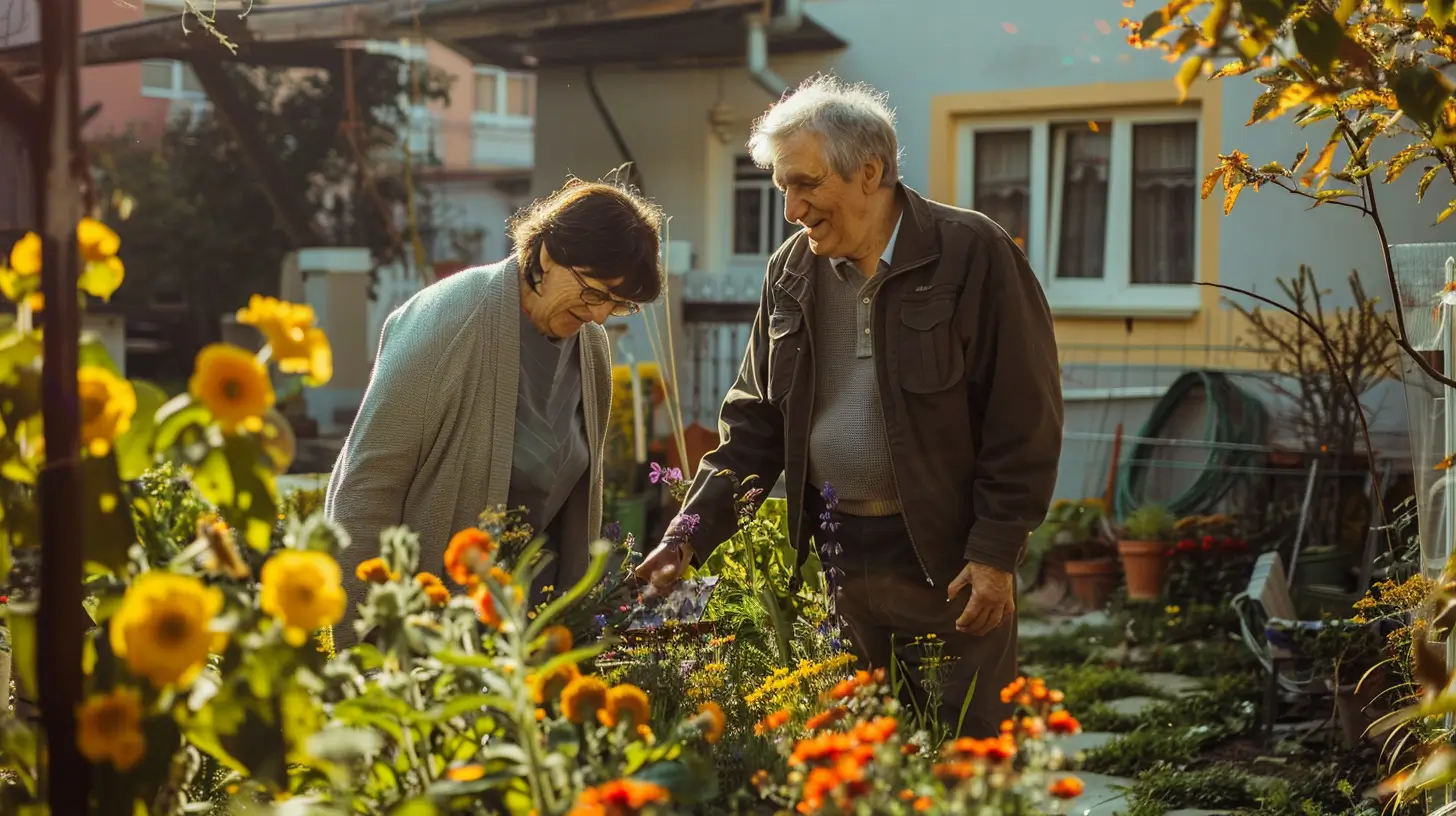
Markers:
492,387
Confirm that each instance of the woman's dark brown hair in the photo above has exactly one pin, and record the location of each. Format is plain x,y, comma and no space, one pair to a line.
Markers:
601,229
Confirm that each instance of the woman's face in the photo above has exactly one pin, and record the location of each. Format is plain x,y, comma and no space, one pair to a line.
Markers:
566,299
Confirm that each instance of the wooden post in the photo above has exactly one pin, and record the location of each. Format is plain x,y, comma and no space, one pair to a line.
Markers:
61,620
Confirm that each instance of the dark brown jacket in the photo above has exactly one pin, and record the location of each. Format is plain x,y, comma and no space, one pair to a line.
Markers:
967,367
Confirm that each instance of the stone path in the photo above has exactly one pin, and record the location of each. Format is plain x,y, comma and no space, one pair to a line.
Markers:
1102,796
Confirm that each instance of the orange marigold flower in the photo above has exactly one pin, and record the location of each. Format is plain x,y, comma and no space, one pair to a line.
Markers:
465,773
843,690
877,730
437,594
712,722
626,703
761,778
547,686
428,579
954,771
485,610
466,549
826,718
906,795
909,749
583,697
374,571
1011,691
1001,749
620,797
772,722
1062,722
557,639
922,804
1068,787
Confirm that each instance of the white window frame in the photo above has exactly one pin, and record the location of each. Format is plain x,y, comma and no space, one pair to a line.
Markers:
177,92
772,213
499,117
1114,294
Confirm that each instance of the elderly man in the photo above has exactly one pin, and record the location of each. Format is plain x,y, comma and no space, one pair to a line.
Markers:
903,354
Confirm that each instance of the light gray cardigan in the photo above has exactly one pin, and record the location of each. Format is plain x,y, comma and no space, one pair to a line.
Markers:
431,446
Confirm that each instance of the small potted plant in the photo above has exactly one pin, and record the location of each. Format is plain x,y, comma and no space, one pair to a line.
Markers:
1079,536
1144,550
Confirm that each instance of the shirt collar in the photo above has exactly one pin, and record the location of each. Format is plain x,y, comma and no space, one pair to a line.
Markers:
840,263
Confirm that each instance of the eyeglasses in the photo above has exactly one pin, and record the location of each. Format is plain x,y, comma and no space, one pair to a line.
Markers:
592,296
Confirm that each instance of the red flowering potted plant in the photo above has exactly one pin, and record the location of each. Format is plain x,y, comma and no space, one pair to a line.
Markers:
1209,562
1144,550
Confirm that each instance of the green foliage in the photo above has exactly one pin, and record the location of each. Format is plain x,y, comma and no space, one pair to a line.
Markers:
1219,787
1151,522
1085,685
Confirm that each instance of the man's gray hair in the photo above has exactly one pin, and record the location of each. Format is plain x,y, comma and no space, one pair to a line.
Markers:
856,121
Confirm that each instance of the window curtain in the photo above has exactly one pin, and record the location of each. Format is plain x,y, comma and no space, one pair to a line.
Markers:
1003,180
1083,238
1165,201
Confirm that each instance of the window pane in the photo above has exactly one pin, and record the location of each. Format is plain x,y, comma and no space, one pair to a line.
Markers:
1003,180
485,93
190,82
781,228
157,75
518,96
1164,202
747,221
1083,173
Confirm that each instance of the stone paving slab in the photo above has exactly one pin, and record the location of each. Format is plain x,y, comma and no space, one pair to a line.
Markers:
1131,706
1177,685
1085,741
1193,812
1099,798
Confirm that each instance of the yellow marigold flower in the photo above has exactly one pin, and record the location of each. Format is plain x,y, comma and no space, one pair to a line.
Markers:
108,403
557,639
108,728
437,594
549,685
295,343
374,571
711,721
465,773
25,255
626,703
233,385
466,549
163,627
583,697
304,590
426,579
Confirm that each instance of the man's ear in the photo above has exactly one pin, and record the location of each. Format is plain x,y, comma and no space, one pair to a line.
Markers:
870,174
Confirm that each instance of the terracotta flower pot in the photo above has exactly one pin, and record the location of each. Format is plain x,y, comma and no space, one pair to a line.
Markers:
1145,563
1093,581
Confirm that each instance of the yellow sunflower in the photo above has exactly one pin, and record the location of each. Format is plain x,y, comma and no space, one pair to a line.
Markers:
233,385
546,686
108,728
626,703
25,255
304,590
163,630
96,241
108,403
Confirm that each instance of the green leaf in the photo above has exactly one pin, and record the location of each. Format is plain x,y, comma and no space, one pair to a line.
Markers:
181,429
1400,161
1421,91
1319,37
106,513
415,807
134,448
93,352
600,551
236,477
102,278
21,619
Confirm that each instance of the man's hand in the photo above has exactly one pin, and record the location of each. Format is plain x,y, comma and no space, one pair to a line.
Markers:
993,598
664,566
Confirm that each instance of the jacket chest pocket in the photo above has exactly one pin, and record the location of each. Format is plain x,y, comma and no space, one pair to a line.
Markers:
931,357
785,346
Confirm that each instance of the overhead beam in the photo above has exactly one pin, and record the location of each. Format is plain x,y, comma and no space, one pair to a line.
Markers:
290,208
466,19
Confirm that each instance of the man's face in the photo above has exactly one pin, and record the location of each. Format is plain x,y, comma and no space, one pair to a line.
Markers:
835,211
563,305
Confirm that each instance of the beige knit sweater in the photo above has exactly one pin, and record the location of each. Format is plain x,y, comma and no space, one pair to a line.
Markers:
431,445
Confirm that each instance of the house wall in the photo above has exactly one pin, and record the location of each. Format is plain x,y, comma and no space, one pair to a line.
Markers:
946,62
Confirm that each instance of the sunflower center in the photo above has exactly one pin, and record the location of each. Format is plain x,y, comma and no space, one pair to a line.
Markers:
110,719
232,389
173,629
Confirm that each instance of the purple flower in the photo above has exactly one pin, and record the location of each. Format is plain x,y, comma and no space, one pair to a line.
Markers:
612,531
667,476
681,529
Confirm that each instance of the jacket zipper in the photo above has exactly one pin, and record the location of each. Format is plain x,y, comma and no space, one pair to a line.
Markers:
894,478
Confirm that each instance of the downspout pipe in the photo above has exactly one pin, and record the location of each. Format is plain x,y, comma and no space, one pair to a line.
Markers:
789,19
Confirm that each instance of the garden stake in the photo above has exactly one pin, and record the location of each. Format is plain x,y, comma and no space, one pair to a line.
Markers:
61,620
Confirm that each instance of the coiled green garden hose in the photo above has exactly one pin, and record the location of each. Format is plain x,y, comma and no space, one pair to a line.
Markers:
1234,417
